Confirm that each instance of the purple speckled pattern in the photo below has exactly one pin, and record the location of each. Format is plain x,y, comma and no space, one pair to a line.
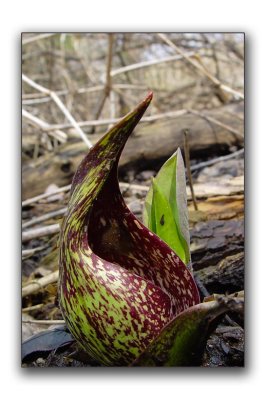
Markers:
119,284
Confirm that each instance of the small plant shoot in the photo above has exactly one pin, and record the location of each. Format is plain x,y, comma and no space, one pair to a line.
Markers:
165,209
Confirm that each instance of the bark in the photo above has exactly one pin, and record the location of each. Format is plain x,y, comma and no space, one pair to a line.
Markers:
218,254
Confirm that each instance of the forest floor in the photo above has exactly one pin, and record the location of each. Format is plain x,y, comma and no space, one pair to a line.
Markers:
217,247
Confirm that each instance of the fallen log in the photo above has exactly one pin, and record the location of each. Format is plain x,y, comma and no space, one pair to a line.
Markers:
150,145
214,240
226,276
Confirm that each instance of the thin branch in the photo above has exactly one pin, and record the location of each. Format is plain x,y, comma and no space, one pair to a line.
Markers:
38,284
102,122
36,149
36,37
38,100
235,115
216,122
187,159
112,107
215,188
151,118
40,232
145,64
87,66
206,295
44,217
35,121
30,252
45,195
59,103
200,68
123,185
45,322
32,308
68,187
108,81
216,160
132,186
32,98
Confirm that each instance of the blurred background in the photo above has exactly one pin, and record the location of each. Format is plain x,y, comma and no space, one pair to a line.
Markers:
75,86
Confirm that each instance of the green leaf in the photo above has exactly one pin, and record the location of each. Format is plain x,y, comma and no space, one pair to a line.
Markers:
167,196
183,340
164,221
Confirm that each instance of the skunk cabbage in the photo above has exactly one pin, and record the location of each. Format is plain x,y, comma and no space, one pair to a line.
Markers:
126,297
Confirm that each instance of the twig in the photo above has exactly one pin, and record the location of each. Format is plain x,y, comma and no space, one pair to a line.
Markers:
36,149
216,122
232,187
212,43
200,68
32,98
145,64
234,115
68,187
55,228
112,106
45,195
29,252
87,67
216,160
37,284
45,322
40,232
205,294
125,185
32,308
37,100
187,158
36,37
201,287
59,103
151,118
108,81
44,217
169,114
99,110
33,120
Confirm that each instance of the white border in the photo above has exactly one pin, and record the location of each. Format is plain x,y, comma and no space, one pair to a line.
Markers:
141,16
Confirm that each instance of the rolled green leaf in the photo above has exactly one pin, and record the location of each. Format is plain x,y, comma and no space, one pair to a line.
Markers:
164,222
165,209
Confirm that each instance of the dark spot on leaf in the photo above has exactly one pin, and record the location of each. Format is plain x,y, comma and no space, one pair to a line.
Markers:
162,220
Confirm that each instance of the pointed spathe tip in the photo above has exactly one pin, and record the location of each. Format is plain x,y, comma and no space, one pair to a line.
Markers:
149,96
146,101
